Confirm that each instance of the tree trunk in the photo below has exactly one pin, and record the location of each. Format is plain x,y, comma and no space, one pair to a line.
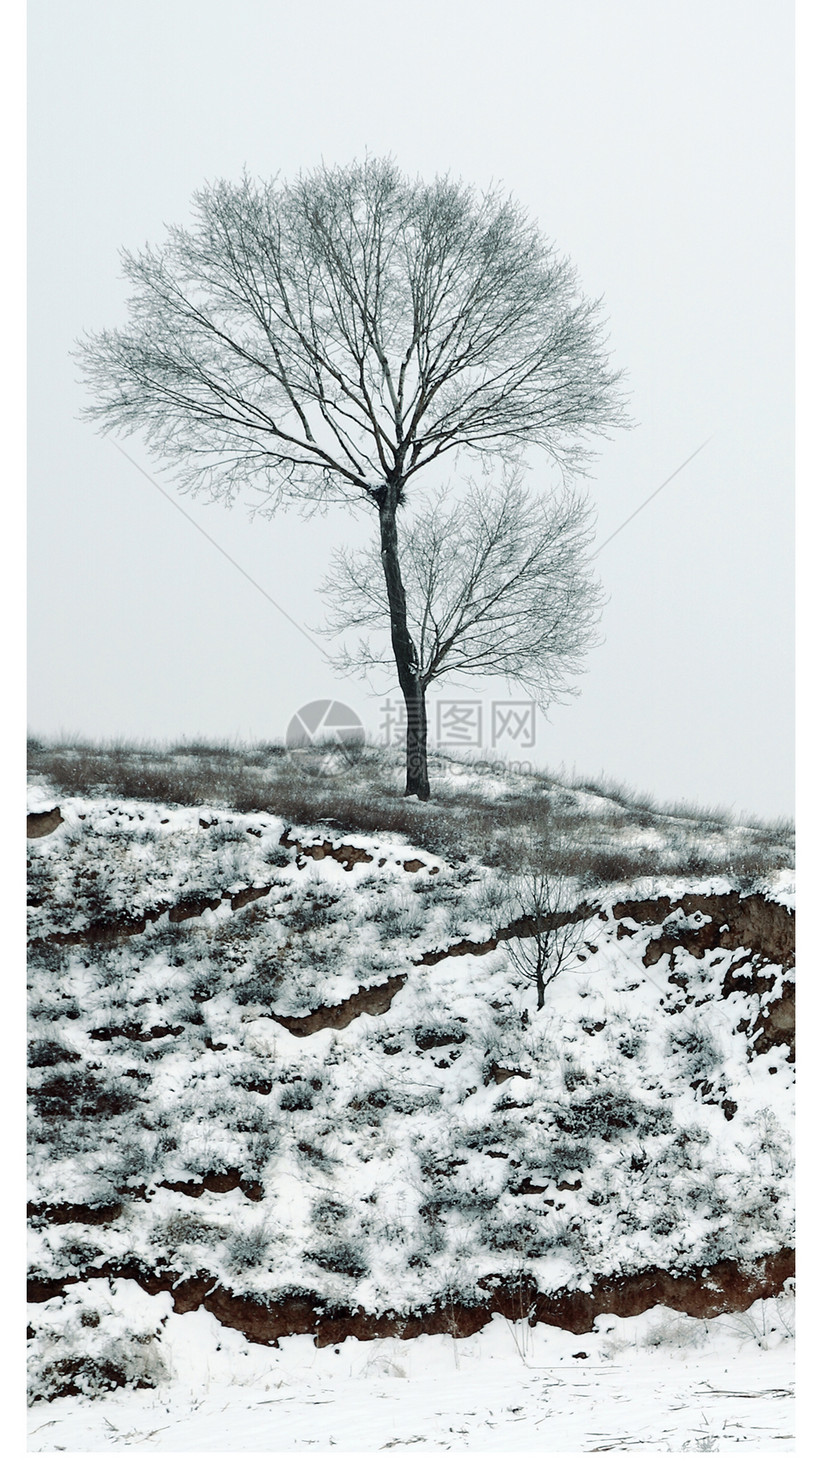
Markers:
404,651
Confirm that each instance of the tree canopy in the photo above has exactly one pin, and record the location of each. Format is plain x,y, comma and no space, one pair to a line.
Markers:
339,337
321,337
498,582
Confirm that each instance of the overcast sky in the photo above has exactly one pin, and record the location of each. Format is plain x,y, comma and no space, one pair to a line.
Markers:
651,141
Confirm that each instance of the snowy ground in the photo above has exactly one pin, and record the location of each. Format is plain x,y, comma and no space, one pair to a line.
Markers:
625,1126
657,1381
186,1126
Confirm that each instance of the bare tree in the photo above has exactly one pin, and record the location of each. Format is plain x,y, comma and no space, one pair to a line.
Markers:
499,583
544,896
337,336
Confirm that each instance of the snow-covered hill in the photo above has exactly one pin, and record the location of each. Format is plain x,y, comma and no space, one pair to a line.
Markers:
291,1075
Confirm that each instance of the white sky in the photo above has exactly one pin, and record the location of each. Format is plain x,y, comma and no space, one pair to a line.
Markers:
651,141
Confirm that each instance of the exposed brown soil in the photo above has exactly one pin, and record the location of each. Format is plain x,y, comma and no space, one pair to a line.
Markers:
343,853
778,1024
724,1288
527,1188
372,1002
41,823
736,921
499,1075
107,933
218,1181
751,922
114,931
71,1367
249,896
134,1032
65,1212
111,932
768,930
195,905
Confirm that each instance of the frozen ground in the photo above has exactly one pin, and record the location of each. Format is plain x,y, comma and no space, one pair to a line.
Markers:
658,1381
298,1063
178,1119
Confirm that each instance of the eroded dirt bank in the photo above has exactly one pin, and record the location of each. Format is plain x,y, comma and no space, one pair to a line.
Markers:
762,929
696,947
735,921
725,1288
